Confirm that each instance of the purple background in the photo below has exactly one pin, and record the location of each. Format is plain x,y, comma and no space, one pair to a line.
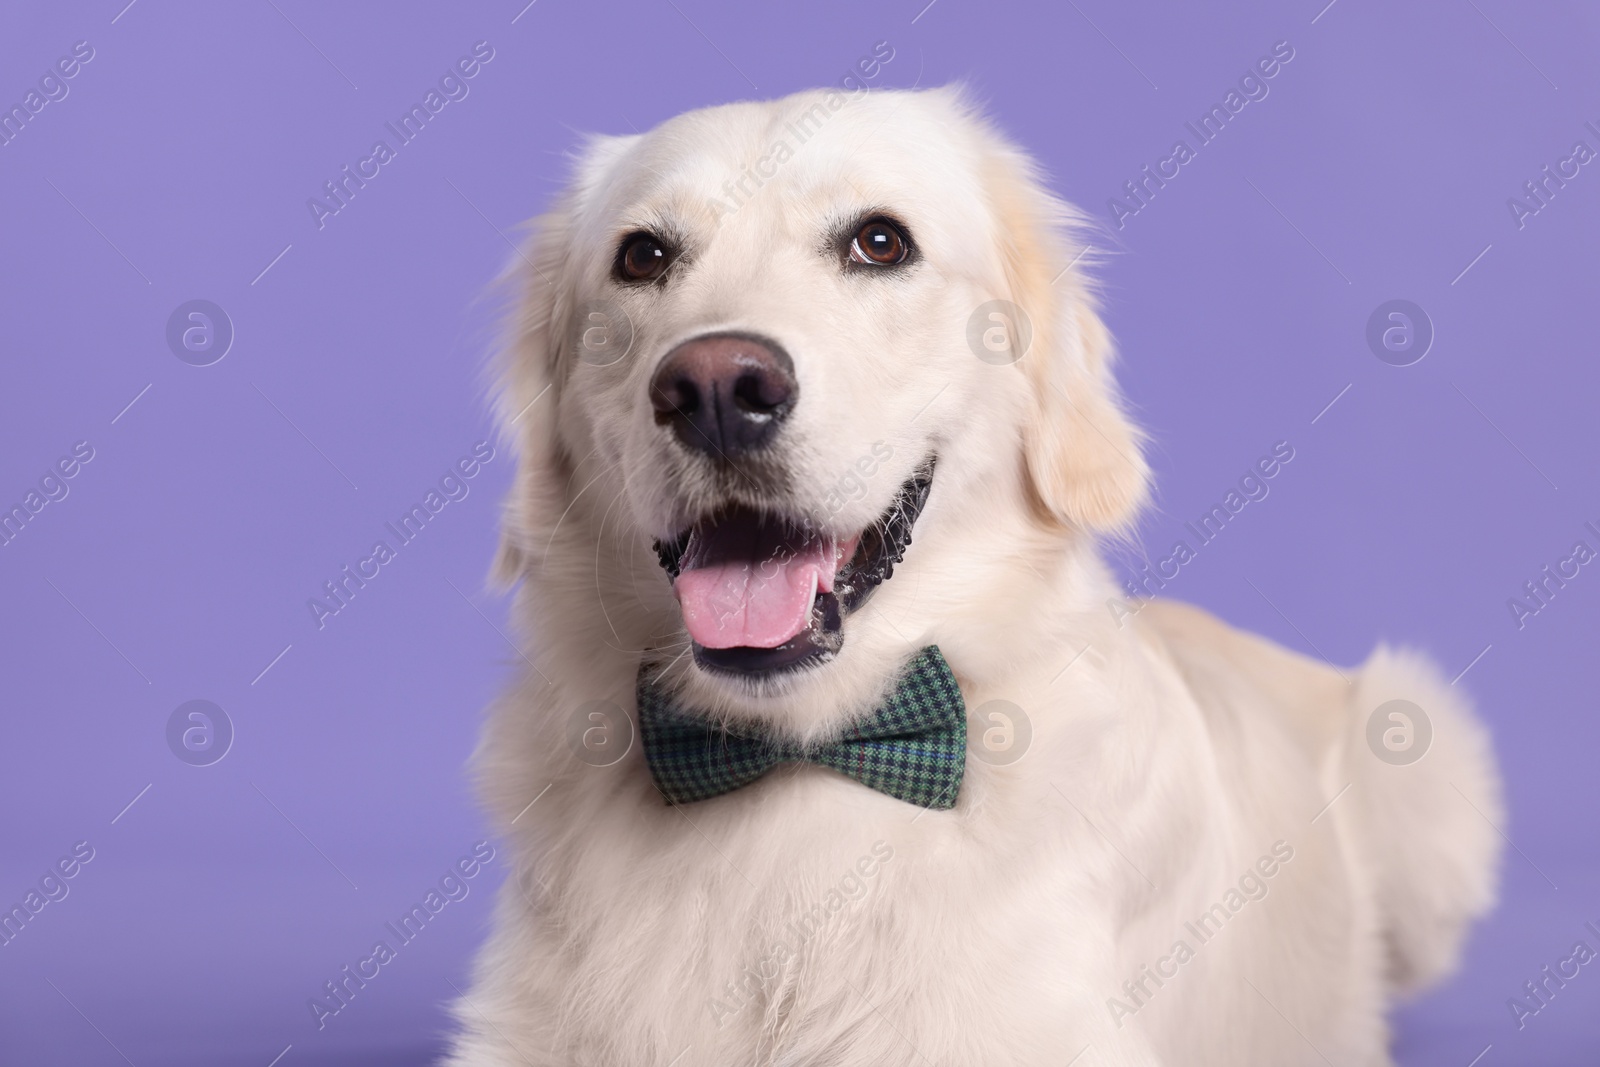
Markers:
180,564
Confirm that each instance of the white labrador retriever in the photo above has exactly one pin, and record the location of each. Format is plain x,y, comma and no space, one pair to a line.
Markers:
760,351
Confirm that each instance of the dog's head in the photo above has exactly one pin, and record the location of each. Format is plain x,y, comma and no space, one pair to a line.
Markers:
780,342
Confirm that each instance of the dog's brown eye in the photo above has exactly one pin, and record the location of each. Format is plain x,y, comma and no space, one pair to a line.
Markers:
642,258
879,242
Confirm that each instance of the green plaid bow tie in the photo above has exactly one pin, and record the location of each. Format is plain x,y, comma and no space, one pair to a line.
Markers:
912,747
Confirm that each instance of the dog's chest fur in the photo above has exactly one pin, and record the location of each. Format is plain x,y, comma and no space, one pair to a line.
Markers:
805,919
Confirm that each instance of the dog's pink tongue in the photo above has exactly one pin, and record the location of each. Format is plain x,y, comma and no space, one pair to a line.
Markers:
732,597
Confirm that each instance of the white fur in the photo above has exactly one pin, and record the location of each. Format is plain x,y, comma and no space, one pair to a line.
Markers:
1165,761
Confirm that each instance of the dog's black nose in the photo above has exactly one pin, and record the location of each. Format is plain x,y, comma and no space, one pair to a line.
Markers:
724,393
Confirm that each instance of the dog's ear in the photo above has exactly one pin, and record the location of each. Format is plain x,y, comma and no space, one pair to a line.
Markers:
534,356
1081,454
525,406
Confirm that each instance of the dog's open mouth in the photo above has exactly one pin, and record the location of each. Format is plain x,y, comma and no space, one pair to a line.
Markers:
763,593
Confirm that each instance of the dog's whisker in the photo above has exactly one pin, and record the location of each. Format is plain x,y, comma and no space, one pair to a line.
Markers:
687,645
599,543
570,505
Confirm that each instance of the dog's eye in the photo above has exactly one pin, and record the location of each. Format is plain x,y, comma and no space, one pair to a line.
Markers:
879,242
641,258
